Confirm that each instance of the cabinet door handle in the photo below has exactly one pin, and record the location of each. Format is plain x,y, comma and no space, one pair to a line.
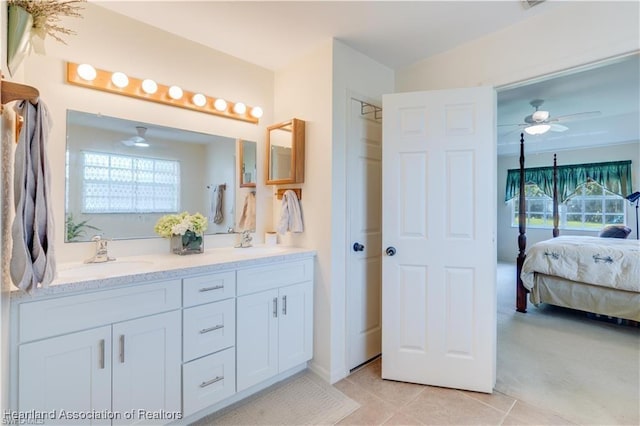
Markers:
214,328
275,307
101,354
212,381
284,305
122,348
216,287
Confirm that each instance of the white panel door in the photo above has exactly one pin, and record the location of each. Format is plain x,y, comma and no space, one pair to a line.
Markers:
439,289
295,325
257,338
364,265
147,366
71,373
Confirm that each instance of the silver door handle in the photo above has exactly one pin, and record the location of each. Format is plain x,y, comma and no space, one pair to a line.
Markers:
101,354
122,348
214,328
212,381
284,305
217,287
275,307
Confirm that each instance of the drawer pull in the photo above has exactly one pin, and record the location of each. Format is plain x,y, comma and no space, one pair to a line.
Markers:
122,348
212,381
101,353
214,328
216,287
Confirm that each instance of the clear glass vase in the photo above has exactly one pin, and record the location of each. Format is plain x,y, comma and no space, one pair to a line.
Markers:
189,243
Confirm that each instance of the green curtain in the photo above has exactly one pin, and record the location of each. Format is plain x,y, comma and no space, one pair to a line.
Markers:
615,176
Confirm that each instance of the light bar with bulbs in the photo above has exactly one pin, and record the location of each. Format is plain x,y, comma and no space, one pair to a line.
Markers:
118,82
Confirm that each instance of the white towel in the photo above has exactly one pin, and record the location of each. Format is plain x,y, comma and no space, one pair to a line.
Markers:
32,255
291,214
248,217
218,216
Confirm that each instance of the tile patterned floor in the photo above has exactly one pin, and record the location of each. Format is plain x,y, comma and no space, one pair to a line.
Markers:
384,402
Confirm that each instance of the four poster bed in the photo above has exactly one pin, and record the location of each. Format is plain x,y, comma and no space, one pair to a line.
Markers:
591,274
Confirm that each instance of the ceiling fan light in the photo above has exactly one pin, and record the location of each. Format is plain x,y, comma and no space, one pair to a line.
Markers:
141,144
540,116
537,129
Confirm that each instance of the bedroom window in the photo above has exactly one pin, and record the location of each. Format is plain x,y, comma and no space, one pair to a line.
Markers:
115,183
590,207
539,208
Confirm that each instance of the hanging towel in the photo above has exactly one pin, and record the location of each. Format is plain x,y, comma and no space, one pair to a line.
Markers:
291,214
248,217
32,255
218,216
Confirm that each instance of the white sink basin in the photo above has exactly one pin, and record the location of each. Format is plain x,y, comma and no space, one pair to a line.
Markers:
102,270
259,250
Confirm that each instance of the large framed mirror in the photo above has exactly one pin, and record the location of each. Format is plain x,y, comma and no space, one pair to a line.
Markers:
285,152
123,175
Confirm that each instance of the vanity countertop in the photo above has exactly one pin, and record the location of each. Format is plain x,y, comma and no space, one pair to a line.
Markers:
77,276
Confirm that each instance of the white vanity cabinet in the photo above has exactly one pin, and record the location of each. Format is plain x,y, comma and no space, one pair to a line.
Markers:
122,365
275,320
181,343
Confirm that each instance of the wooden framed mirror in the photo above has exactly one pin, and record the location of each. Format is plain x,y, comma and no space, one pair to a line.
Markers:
285,152
247,152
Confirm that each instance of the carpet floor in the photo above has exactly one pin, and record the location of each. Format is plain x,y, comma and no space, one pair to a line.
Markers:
585,369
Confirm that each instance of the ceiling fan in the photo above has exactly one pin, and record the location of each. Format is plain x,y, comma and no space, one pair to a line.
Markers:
138,140
540,121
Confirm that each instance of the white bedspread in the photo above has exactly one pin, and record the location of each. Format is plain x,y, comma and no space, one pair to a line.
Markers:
606,262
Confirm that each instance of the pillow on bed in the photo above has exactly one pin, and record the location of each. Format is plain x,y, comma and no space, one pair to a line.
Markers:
615,231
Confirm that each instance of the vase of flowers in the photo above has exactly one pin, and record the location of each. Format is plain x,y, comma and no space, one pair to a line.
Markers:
185,231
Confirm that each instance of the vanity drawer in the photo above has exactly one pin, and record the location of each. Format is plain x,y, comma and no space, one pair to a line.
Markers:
208,380
208,328
66,314
208,288
253,280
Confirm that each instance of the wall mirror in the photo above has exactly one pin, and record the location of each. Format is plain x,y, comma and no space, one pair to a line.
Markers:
122,176
285,152
247,151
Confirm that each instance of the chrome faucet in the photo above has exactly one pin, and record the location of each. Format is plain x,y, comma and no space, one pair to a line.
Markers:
101,251
245,239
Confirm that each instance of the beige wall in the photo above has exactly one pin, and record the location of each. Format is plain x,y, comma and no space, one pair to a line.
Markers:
508,235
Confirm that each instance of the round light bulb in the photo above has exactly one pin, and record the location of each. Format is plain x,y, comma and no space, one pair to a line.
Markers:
175,92
256,112
149,86
199,100
120,79
220,104
87,72
239,108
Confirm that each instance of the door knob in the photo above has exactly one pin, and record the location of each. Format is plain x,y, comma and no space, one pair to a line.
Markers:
358,247
390,251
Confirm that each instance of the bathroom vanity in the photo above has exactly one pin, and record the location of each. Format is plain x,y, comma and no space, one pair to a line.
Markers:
161,339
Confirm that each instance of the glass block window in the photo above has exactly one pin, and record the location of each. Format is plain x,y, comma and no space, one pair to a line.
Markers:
115,183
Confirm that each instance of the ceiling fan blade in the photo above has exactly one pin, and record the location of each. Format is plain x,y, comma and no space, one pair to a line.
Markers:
558,127
577,116
514,124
